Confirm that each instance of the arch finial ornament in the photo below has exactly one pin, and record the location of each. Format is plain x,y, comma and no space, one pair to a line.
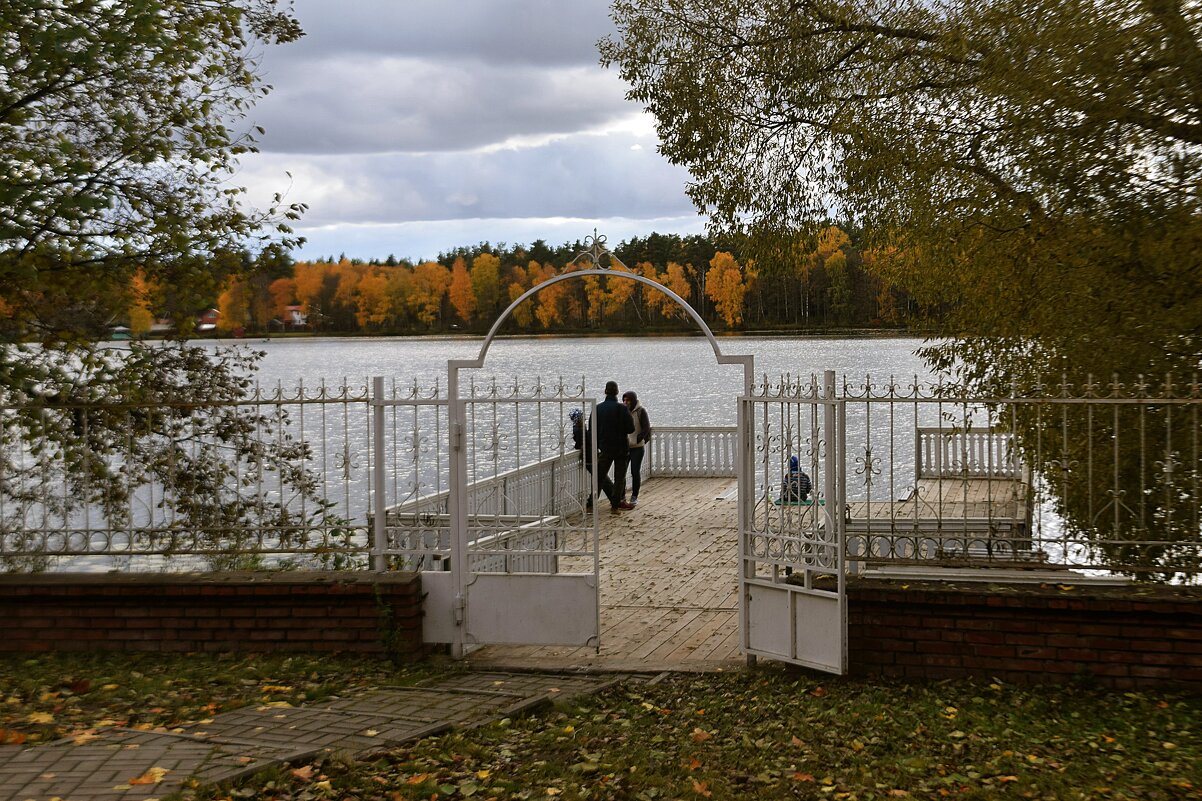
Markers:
594,250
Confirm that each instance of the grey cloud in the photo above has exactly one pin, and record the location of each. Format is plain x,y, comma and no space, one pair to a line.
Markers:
424,240
358,104
584,176
533,32
390,114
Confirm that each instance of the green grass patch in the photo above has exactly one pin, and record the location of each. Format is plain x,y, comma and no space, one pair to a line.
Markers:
778,734
47,697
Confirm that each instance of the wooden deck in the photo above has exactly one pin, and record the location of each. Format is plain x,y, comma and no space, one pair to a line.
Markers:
1000,501
669,587
669,581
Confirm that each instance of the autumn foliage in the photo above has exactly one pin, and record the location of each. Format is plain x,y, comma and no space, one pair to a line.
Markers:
825,282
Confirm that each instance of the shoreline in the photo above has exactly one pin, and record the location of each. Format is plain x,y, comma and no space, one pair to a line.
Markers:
808,333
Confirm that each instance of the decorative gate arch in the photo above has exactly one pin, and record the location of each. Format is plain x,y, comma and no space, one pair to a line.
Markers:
526,598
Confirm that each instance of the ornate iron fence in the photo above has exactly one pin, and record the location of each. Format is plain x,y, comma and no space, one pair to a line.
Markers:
280,474
1096,477
1100,478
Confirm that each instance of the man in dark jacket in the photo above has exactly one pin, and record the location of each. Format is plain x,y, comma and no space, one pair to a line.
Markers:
613,424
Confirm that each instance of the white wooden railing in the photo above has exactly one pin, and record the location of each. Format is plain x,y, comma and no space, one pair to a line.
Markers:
691,452
511,519
538,488
945,452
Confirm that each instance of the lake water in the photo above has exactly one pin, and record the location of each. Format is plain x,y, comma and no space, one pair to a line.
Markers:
677,378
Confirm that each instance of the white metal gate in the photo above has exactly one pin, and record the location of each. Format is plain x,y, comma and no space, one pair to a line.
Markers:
524,562
485,495
529,546
792,542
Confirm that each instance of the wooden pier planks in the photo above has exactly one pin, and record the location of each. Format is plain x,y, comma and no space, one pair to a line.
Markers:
669,587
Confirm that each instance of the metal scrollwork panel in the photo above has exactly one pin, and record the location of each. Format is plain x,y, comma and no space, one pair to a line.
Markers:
788,525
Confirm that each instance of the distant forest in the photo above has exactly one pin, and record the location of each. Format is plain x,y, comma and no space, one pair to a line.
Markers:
827,285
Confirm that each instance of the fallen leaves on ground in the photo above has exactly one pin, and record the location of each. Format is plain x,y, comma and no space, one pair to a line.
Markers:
770,735
151,776
49,697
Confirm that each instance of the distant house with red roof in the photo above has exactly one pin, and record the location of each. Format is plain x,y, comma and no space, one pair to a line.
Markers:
206,321
294,317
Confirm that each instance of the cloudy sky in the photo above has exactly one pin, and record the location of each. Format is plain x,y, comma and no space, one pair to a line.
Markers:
412,127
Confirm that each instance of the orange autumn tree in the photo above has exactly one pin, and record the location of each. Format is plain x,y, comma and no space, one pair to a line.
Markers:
140,315
552,300
617,292
372,302
398,310
430,283
724,285
349,276
523,314
675,279
575,297
594,297
653,301
462,293
307,281
486,283
315,287
234,306
282,292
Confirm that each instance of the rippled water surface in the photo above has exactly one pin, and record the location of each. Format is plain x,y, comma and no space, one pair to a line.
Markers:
677,378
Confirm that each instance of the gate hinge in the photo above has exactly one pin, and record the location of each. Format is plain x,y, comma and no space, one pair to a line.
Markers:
459,609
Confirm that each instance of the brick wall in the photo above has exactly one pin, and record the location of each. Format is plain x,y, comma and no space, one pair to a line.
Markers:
288,611
1122,637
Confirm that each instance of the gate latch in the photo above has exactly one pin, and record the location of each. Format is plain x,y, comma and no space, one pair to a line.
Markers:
459,609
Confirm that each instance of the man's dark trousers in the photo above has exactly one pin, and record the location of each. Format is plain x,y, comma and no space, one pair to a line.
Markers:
614,490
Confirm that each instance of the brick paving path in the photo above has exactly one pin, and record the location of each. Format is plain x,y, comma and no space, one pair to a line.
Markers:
129,765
